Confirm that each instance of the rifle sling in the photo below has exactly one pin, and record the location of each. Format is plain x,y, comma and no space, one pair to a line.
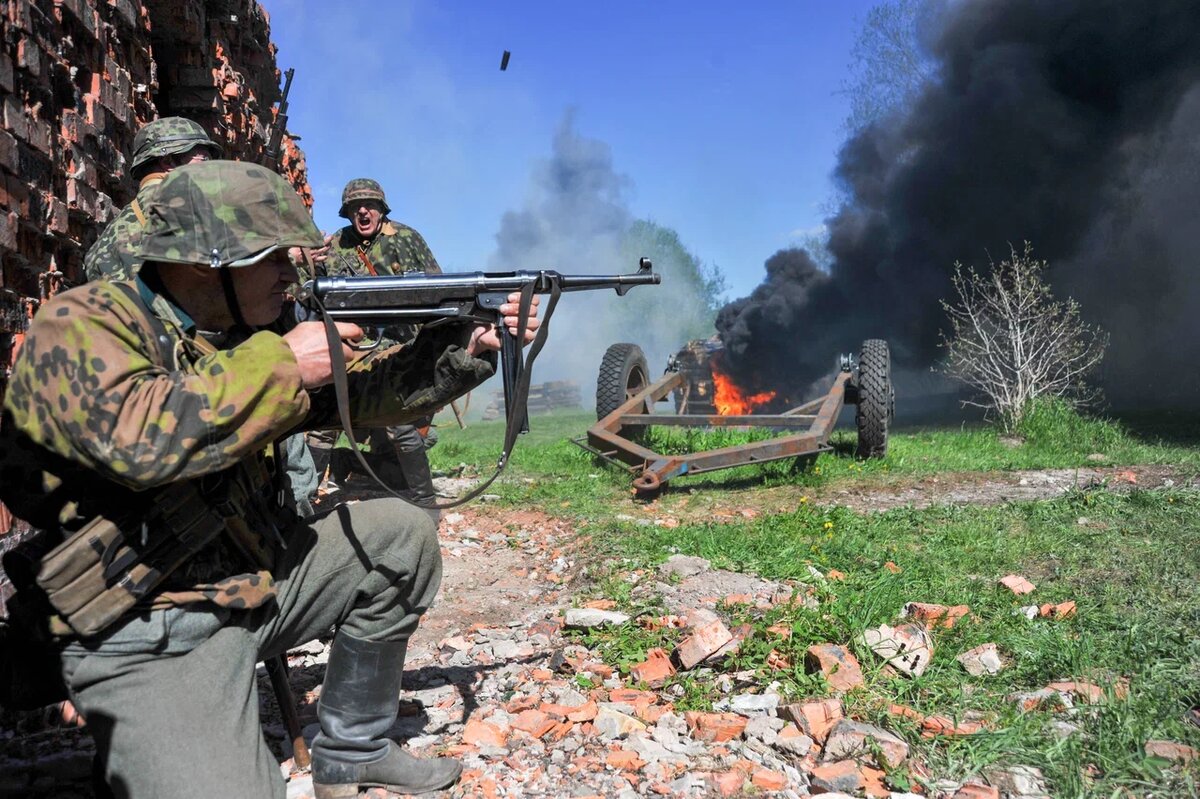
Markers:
341,390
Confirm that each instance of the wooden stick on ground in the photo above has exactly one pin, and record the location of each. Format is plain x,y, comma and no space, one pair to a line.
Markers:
277,670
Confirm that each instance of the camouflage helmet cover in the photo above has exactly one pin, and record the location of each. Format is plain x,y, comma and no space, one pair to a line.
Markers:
169,136
224,213
361,189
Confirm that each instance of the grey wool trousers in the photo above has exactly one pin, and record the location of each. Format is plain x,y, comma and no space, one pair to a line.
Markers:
171,696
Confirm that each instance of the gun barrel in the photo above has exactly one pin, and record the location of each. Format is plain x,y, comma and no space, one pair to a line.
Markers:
417,289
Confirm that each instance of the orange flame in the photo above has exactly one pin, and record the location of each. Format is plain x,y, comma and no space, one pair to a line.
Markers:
729,399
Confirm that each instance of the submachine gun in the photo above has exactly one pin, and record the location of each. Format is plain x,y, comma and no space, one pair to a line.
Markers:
381,301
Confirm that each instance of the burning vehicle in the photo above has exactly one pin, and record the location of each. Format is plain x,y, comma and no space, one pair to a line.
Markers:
705,395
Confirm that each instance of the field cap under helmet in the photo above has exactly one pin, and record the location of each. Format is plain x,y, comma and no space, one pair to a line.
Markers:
361,189
224,213
168,136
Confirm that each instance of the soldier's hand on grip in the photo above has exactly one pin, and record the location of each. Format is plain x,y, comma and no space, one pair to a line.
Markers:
486,337
311,348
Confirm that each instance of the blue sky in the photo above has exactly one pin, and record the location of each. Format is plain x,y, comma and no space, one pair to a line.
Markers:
725,122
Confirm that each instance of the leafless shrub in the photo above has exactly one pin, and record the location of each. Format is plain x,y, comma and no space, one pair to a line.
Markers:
1013,342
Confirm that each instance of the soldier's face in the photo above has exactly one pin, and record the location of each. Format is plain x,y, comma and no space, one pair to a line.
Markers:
261,288
367,218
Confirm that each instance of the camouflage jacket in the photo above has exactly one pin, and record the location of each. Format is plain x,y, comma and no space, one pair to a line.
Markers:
394,250
112,256
93,420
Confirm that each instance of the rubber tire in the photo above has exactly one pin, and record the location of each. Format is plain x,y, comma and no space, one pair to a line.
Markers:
876,398
623,373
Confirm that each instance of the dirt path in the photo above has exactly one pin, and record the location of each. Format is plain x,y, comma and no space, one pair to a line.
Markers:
878,493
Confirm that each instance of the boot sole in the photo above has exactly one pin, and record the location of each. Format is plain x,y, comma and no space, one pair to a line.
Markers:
351,790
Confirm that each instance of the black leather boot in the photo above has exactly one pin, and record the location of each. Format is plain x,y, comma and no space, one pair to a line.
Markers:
359,702
414,465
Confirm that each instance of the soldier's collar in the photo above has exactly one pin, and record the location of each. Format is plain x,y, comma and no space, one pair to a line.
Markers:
150,179
151,287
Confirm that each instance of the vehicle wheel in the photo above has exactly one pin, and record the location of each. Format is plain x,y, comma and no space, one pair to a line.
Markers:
876,398
623,373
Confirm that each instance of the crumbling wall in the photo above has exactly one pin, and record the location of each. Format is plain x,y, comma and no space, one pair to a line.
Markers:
77,80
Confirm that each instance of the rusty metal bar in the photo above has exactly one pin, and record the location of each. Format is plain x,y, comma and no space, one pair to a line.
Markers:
605,438
716,420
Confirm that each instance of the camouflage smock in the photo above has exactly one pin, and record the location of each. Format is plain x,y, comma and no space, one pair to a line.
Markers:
112,255
92,420
394,250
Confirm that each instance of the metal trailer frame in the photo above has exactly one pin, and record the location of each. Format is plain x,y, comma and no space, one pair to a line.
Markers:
813,421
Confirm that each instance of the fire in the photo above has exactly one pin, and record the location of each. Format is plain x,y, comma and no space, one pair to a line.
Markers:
729,399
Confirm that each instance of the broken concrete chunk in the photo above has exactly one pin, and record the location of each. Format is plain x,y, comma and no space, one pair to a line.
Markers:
906,647
983,659
684,566
613,725
1018,782
853,740
586,618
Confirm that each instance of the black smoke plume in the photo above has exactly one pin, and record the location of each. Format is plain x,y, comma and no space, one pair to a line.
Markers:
1071,124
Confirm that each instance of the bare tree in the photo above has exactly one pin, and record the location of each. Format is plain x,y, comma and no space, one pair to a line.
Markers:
889,66
1014,343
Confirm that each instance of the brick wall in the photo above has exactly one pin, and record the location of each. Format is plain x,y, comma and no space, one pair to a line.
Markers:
77,80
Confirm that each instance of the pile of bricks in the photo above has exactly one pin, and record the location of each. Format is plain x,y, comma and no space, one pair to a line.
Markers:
78,78
543,398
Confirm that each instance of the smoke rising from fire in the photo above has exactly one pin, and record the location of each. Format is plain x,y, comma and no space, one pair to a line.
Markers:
1069,124
576,219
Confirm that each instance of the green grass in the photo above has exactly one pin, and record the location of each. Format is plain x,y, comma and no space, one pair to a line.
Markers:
1132,567
546,467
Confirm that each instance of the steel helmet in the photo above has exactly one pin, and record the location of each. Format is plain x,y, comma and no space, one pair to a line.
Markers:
361,189
224,213
168,136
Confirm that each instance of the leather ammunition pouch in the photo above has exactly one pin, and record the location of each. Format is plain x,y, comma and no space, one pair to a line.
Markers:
102,570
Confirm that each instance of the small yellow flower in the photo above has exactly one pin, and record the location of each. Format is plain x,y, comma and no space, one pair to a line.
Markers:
828,525
803,500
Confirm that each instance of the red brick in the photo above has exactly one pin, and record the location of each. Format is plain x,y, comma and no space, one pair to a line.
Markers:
482,733
767,780
837,664
936,615
815,718
1060,611
841,776
948,727
729,783
1086,692
704,641
1017,584
1170,750
715,727
655,669
976,790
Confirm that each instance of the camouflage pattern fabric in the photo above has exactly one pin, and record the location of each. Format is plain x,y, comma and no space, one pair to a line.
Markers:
169,136
360,189
99,411
224,213
91,417
112,256
395,250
